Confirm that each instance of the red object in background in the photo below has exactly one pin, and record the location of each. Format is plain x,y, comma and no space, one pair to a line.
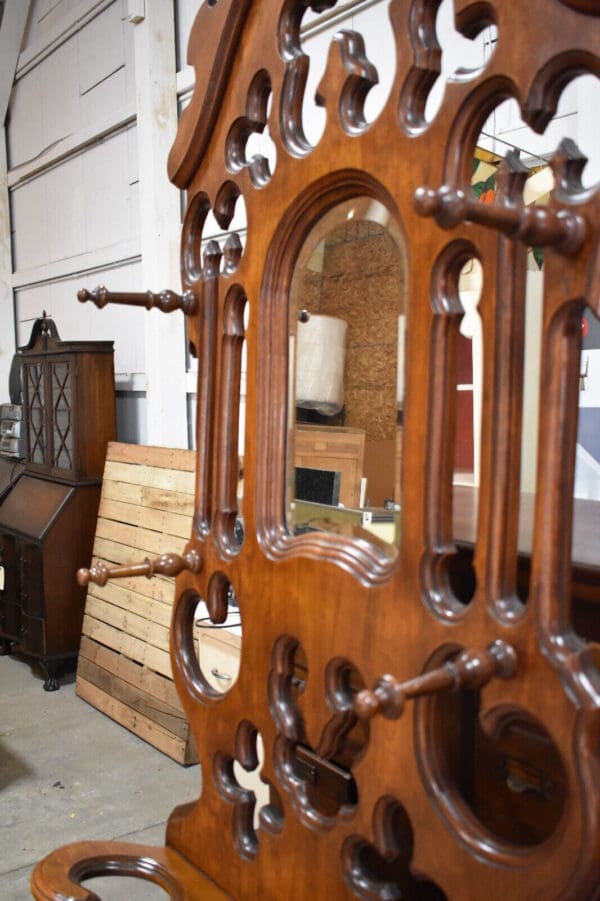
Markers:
585,327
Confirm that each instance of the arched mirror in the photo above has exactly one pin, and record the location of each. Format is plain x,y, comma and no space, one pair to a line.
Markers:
347,315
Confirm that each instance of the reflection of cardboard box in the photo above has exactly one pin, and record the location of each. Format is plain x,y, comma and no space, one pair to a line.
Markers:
379,527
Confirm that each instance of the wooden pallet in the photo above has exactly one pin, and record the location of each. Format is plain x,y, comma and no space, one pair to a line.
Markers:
124,668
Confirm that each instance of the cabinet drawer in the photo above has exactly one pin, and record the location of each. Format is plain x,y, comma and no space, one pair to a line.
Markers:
219,658
11,617
32,592
33,634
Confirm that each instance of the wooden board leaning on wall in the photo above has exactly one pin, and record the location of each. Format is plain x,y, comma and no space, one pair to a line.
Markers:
124,668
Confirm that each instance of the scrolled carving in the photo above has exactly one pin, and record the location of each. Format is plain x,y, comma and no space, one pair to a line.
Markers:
216,30
243,798
382,868
428,53
296,73
254,122
319,779
479,793
347,81
198,255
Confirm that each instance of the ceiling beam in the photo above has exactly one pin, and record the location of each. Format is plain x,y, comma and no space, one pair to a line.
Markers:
12,29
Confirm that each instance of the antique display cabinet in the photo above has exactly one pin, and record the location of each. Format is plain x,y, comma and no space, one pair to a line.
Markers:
47,521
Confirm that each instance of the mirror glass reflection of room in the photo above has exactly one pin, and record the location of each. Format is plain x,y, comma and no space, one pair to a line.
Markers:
347,330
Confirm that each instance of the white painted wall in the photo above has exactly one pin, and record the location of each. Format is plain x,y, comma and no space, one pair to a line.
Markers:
14,18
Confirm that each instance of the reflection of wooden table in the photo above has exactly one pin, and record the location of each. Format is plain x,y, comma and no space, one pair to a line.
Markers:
335,448
585,555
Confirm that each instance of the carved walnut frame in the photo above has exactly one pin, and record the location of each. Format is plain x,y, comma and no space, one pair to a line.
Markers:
339,603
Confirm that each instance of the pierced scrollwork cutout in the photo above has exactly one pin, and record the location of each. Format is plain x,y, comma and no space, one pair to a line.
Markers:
241,133
194,620
381,869
443,51
234,779
514,794
319,779
197,253
347,81
296,73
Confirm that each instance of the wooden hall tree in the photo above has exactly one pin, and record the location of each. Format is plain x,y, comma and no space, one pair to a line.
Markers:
416,746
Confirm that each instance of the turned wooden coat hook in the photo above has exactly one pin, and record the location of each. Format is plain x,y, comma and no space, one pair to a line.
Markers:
166,301
470,669
165,565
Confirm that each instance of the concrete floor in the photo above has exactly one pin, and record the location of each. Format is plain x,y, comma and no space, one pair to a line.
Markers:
67,773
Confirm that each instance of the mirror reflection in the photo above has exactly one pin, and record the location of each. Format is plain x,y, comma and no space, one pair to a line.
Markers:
346,334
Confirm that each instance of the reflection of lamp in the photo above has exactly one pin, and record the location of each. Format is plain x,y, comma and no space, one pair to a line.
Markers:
320,355
400,362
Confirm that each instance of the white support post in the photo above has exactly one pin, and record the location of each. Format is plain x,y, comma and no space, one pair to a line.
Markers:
7,308
12,29
156,101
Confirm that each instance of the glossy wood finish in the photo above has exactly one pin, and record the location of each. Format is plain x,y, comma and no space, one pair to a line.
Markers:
10,470
166,565
84,860
46,532
165,301
68,393
490,791
47,521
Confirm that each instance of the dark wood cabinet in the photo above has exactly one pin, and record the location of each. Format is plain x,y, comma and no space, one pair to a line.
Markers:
10,472
47,520
68,392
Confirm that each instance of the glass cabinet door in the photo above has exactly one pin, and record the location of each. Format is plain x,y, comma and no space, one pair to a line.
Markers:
62,434
49,396
33,374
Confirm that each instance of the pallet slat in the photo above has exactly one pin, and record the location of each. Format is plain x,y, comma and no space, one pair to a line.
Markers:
152,683
148,455
133,648
129,623
122,690
151,498
166,479
142,726
113,593
138,538
124,667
